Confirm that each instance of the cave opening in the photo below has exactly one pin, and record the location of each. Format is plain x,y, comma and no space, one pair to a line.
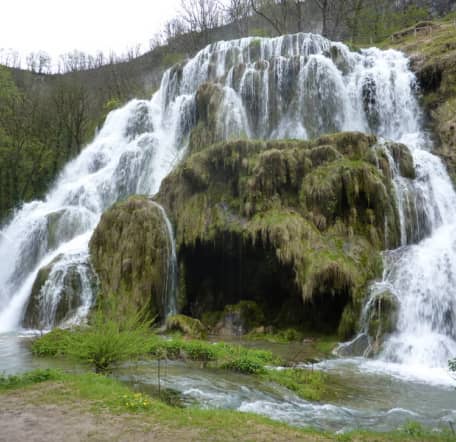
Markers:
231,269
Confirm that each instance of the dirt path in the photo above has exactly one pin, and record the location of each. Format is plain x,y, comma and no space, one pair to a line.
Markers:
23,420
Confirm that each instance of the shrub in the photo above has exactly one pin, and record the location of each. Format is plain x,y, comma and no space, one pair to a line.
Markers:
245,364
51,344
105,343
200,351
101,345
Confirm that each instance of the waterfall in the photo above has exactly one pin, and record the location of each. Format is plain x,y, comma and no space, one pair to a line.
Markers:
297,86
170,291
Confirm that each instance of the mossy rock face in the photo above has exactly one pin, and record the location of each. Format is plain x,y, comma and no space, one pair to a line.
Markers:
191,327
433,58
129,252
251,212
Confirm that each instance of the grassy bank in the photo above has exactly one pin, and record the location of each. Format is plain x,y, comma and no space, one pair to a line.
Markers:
105,347
115,403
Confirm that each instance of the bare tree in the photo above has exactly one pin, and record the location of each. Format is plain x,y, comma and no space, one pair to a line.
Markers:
201,16
238,12
260,8
10,58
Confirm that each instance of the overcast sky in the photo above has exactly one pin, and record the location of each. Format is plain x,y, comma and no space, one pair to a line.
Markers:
58,26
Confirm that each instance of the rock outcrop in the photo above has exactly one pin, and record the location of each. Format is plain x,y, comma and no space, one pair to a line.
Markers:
295,226
129,252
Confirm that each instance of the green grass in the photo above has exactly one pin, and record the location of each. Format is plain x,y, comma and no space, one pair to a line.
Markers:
306,384
9,382
100,394
103,347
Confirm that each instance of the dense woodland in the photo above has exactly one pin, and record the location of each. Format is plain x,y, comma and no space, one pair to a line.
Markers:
51,109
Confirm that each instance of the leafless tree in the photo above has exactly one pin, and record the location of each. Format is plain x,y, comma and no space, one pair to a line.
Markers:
10,58
200,16
238,12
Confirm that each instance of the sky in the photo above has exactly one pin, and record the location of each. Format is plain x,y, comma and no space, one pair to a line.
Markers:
59,26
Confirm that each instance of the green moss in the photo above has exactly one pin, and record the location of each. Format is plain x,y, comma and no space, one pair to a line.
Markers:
189,326
348,325
129,252
320,205
433,52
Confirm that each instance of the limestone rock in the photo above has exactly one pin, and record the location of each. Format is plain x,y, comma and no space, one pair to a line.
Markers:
129,252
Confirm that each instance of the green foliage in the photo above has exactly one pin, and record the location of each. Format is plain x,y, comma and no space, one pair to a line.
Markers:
372,24
52,343
111,104
244,364
103,344
413,428
108,342
200,351
172,58
307,384
29,378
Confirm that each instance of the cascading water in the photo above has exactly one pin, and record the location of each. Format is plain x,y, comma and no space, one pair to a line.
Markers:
297,86
170,295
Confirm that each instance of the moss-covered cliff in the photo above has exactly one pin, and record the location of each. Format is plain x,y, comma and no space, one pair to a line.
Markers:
129,252
295,226
432,49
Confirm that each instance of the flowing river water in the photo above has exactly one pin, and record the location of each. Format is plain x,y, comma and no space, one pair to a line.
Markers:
297,86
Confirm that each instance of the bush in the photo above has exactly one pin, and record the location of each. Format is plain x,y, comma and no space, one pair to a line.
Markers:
101,345
245,364
52,343
200,351
106,343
